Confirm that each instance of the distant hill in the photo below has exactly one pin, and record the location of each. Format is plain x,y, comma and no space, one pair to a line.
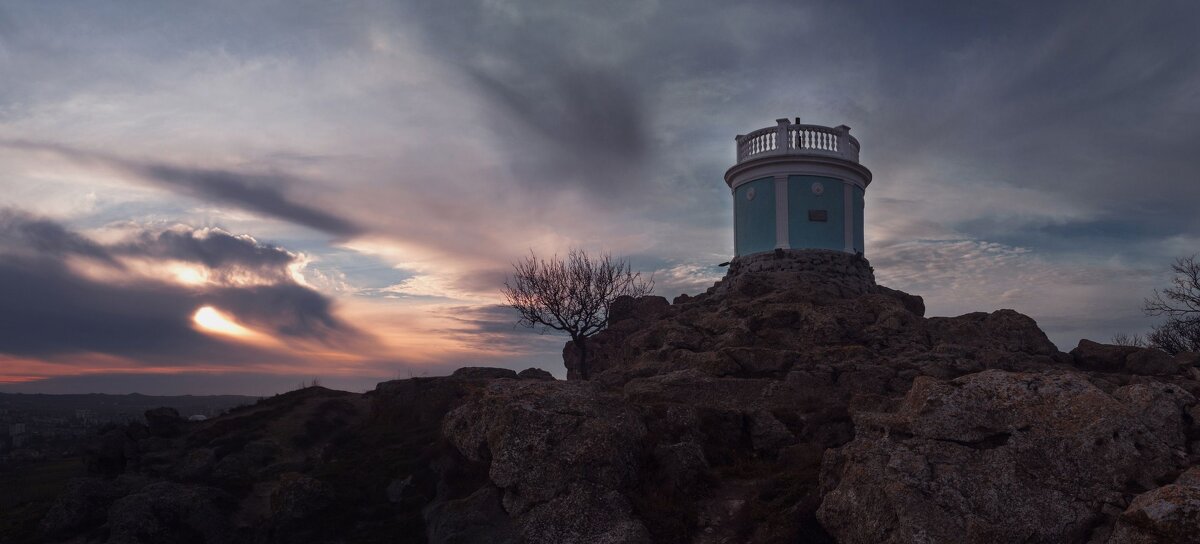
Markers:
116,407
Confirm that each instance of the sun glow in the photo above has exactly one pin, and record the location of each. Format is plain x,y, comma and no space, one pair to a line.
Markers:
211,320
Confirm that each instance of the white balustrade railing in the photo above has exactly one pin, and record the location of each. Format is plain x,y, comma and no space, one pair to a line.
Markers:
787,138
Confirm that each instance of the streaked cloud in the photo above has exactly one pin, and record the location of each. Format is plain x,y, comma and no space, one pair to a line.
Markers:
264,193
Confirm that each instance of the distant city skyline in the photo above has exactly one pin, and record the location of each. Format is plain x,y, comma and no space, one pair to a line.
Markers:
234,197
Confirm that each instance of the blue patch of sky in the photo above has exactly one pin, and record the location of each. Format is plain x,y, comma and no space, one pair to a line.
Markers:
365,273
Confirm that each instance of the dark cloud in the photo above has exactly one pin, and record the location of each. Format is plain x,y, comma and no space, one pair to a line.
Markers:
262,193
582,124
287,309
213,248
52,309
21,232
265,193
567,117
1088,104
494,327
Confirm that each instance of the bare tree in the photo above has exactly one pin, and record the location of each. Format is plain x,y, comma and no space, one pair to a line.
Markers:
1180,304
572,295
1133,340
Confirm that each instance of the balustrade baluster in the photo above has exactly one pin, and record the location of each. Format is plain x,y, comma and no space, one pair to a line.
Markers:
786,138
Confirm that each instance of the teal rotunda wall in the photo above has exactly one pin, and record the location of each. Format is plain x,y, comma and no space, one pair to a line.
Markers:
798,187
816,213
754,217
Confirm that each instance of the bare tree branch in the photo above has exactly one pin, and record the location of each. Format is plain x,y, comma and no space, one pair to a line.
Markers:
1180,304
573,295
1134,340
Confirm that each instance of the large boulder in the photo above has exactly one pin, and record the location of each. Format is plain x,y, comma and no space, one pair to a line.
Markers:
535,374
478,517
84,504
1170,513
642,308
1124,359
912,303
1003,331
585,513
1001,457
297,503
482,373
550,447
170,512
299,496
419,401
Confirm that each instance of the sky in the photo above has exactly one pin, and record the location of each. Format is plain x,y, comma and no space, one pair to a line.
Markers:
235,197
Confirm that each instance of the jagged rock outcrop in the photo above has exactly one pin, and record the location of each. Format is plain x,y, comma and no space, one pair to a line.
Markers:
555,449
483,373
535,374
817,308
85,503
1125,359
170,512
794,401
1170,513
1002,457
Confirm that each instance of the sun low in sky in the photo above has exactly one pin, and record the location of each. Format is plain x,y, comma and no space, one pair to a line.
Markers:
248,196
211,320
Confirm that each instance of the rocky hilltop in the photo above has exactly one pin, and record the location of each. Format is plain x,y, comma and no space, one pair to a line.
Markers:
794,401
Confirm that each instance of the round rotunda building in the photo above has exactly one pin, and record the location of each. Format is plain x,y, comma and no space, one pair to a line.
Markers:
797,187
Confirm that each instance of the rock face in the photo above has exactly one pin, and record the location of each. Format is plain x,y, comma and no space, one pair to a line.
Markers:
555,449
1170,513
794,401
1124,359
800,310
535,374
1002,457
170,512
85,504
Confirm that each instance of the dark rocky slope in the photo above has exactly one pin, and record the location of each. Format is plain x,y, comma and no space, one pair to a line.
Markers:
795,401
